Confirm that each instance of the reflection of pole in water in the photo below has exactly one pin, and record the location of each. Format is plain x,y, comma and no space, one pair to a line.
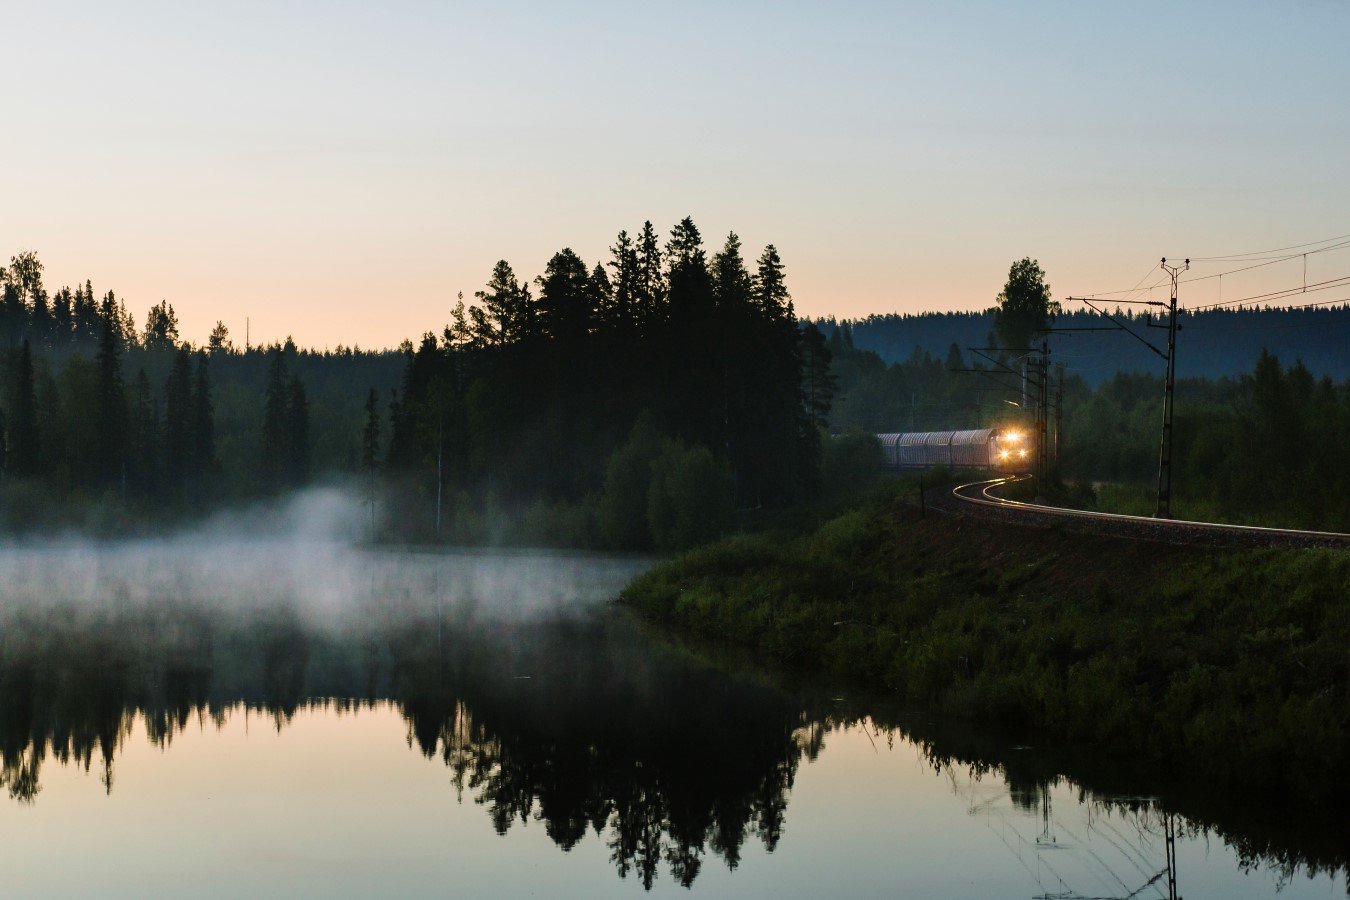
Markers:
1170,832
1047,837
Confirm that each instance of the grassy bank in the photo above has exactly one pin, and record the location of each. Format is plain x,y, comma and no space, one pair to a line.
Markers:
1233,662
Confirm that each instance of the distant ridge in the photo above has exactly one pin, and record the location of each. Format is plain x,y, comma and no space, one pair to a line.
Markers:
1213,344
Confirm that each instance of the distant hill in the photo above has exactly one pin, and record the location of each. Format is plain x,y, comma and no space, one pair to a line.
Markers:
1212,343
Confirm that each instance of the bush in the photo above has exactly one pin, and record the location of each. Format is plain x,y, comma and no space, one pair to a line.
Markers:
849,463
689,501
622,512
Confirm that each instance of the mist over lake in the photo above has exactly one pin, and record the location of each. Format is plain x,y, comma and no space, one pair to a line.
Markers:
361,720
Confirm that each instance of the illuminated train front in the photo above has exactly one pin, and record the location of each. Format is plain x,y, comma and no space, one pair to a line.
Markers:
988,449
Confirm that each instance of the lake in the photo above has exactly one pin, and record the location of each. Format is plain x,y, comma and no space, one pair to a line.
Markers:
220,716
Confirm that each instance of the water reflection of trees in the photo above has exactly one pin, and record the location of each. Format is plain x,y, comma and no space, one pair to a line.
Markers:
577,724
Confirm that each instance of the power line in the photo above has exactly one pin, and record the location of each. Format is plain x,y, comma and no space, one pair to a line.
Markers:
1327,285
1259,253
1270,262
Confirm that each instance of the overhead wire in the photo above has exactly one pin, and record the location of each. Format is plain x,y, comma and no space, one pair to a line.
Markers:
1259,254
1339,281
1269,262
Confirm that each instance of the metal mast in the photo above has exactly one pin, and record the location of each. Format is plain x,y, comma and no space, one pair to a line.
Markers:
1164,507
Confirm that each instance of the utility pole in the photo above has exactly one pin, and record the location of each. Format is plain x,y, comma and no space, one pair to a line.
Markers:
1164,507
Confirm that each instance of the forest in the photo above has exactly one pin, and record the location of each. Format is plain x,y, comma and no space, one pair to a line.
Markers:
636,403
1266,447
1217,342
654,400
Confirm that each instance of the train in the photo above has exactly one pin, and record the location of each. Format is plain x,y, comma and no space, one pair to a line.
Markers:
989,449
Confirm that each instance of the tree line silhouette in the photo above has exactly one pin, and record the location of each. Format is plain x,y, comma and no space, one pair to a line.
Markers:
633,403
636,402
74,421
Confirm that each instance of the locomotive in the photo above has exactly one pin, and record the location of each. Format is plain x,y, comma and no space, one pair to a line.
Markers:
992,449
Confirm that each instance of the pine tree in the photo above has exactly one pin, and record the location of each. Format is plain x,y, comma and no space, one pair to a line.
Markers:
219,341
21,283
505,306
161,327
565,297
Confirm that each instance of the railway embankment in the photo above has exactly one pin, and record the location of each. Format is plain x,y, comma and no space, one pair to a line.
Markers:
1234,662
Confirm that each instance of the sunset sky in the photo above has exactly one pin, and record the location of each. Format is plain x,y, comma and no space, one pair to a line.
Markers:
338,171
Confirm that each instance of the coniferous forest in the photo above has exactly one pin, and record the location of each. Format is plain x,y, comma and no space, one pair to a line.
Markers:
633,403
654,399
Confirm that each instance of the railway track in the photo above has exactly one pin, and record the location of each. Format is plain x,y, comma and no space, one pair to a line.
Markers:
978,498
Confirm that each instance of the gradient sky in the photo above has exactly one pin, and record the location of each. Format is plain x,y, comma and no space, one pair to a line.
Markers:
338,171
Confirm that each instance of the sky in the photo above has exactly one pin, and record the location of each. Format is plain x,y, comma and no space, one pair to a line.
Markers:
340,171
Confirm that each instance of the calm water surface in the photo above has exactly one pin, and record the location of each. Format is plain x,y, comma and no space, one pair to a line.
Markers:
263,718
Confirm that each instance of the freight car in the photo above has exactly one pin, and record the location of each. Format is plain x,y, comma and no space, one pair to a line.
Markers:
994,449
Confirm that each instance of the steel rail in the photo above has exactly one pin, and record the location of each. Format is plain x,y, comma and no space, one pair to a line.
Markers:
990,500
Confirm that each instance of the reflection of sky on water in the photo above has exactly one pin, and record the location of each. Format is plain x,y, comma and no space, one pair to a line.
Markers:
488,719
339,804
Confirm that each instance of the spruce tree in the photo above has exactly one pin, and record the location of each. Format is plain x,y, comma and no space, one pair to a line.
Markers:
63,317
690,340
86,319
110,427
622,313
650,288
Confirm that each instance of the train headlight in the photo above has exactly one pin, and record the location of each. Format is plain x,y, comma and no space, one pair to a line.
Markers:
1022,453
1003,454
1013,436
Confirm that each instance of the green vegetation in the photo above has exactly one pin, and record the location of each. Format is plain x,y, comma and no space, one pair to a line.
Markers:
635,404
1267,448
655,401
1234,663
